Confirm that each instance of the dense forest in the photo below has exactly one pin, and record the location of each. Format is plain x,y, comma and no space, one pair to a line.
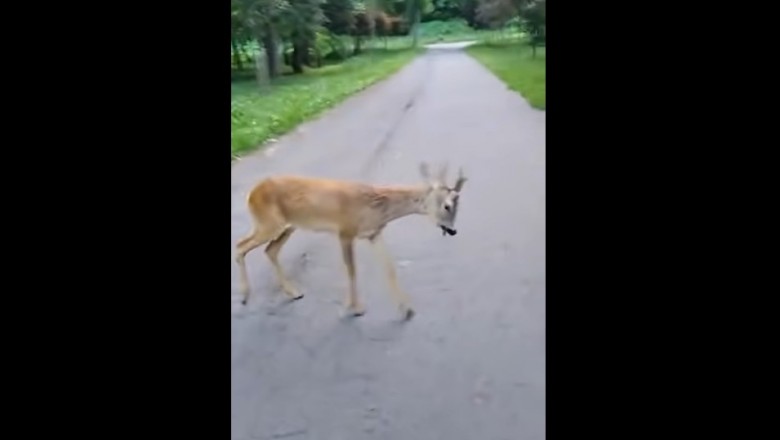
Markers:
308,33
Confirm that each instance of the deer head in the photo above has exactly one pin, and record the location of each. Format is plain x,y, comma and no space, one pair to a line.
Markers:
441,201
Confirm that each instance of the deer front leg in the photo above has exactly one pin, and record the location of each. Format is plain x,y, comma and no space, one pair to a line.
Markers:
258,237
401,298
273,254
353,304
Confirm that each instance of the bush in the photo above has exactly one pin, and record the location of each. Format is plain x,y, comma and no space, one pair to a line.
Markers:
331,47
398,26
362,24
442,28
382,24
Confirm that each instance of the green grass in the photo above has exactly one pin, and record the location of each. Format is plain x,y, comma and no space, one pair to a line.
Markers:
257,116
512,63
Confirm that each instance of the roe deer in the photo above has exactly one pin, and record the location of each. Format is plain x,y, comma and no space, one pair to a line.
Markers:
352,210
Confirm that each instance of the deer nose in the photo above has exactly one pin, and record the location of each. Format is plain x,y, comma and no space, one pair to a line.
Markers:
445,230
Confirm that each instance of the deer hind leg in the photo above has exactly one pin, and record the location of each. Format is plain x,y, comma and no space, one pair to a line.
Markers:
272,250
401,298
353,303
260,235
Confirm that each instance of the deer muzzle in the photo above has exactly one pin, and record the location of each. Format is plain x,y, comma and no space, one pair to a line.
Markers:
445,230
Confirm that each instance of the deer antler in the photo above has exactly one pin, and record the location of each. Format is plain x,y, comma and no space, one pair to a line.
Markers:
461,180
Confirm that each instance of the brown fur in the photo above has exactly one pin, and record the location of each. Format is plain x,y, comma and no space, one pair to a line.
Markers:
350,210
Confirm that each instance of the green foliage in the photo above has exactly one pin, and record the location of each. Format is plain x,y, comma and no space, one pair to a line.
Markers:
257,117
339,16
354,17
415,9
301,18
468,11
394,8
382,24
307,28
443,10
398,26
530,15
238,28
516,66
332,47
261,15
497,13
443,28
363,24
534,18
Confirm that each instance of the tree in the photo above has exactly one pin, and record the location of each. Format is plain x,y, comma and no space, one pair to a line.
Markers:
531,13
444,10
414,12
382,25
300,21
496,13
263,18
534,18
468,10
239,34
364,26
274,21
339,16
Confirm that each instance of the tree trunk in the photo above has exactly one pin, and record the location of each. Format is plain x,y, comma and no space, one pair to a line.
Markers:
236,54
298,56
261,71
533,50
306,54
416,28
271,51
356,50
317,56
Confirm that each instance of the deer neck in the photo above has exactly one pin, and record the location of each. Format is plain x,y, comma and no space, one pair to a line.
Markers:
400,201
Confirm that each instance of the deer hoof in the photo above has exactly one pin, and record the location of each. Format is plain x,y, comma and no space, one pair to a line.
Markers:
408,313
357,311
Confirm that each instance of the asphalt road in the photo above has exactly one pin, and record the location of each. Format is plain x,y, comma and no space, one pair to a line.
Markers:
471,364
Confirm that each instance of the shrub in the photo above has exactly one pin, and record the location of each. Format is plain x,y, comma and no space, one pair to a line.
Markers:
381,24
398,26
441,28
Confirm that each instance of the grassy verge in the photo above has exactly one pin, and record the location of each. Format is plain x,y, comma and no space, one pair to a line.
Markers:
258,116
512,63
